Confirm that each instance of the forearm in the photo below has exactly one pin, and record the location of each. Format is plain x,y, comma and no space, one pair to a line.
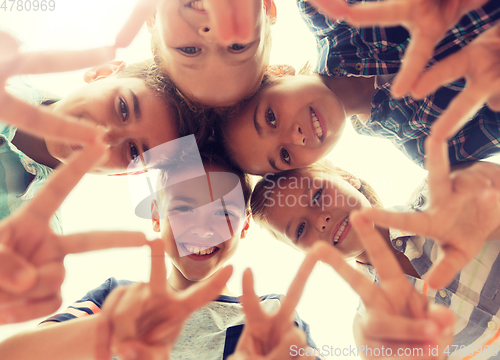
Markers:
73,339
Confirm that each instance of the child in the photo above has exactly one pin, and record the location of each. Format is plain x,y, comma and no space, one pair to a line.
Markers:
215,52
217,197
294,122
313,205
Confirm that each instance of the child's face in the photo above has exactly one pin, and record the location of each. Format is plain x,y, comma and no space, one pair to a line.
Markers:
315,206
196,230
205,69
135,118
290,124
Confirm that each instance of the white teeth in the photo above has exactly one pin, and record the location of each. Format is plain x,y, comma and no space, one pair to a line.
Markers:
317,125
340,230
197,250
198,5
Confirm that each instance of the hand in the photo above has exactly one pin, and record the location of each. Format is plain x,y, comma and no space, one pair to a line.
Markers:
479,63
36,120
269,336
143,321
397,316
32,255
426,20
464,206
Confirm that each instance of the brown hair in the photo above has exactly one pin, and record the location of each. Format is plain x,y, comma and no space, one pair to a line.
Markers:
259,200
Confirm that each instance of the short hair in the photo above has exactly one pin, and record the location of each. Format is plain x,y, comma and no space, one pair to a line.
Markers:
188,120
211,155
258,202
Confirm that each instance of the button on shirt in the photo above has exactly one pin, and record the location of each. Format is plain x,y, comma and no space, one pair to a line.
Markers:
344,50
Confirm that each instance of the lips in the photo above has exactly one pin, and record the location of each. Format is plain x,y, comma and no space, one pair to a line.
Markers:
199,253
340,231
76,147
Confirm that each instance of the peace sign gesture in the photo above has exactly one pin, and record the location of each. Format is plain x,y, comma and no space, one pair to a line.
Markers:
269,336
32,255
145,320
464,212
397,316
426,20
37,120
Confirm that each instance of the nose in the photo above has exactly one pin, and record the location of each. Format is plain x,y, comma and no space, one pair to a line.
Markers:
205,31
321,221
296,135
113,136
202,229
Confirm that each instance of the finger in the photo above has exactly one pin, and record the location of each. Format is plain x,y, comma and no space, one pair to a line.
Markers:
415,222
415,60
42,62
460,110
293,338
334,9
438,164
144,9
133,350
388,13
29,309
100,240
249,300
204,292
294,293
444,72
158,278
16,274
53,193
443,317
358,282
444,269
378,252
42,123
128,311
385,326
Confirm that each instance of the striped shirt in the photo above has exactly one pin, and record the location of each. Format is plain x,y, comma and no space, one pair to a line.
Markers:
20,176
344,50
472,295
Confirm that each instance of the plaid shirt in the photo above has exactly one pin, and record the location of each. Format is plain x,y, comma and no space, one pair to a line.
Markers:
344,50
20,176
472,295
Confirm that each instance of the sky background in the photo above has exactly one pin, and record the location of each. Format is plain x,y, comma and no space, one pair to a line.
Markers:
103,203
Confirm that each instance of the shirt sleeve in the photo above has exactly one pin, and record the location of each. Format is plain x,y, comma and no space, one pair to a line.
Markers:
90,304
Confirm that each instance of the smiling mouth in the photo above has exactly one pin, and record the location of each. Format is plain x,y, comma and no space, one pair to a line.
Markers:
340,231
200,251
198,5
316,125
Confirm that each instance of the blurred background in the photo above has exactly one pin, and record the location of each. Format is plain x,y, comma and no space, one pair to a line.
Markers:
103,202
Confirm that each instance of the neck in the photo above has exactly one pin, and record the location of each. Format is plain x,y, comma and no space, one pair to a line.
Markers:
403,261
355,93
178,282
35,148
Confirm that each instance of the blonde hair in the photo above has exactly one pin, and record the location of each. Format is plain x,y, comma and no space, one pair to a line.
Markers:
259,200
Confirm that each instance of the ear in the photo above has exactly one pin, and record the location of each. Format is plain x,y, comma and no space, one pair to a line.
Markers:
280,70
104,70
271,10
155,217
246,226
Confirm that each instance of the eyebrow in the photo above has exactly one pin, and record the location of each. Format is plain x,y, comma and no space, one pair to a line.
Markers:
137,108
183,198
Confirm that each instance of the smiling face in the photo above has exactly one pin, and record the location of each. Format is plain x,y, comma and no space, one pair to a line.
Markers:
290,124
208,70
134,117
200,231
312,206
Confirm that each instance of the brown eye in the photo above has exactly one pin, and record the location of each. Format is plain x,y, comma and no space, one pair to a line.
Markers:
237,47
271,118
285,156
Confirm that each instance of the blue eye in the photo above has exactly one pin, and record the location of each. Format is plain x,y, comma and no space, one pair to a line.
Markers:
316,196
189,50
300,230
285,156
123,110
134,152
182,209
271,118
237,47
224,213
